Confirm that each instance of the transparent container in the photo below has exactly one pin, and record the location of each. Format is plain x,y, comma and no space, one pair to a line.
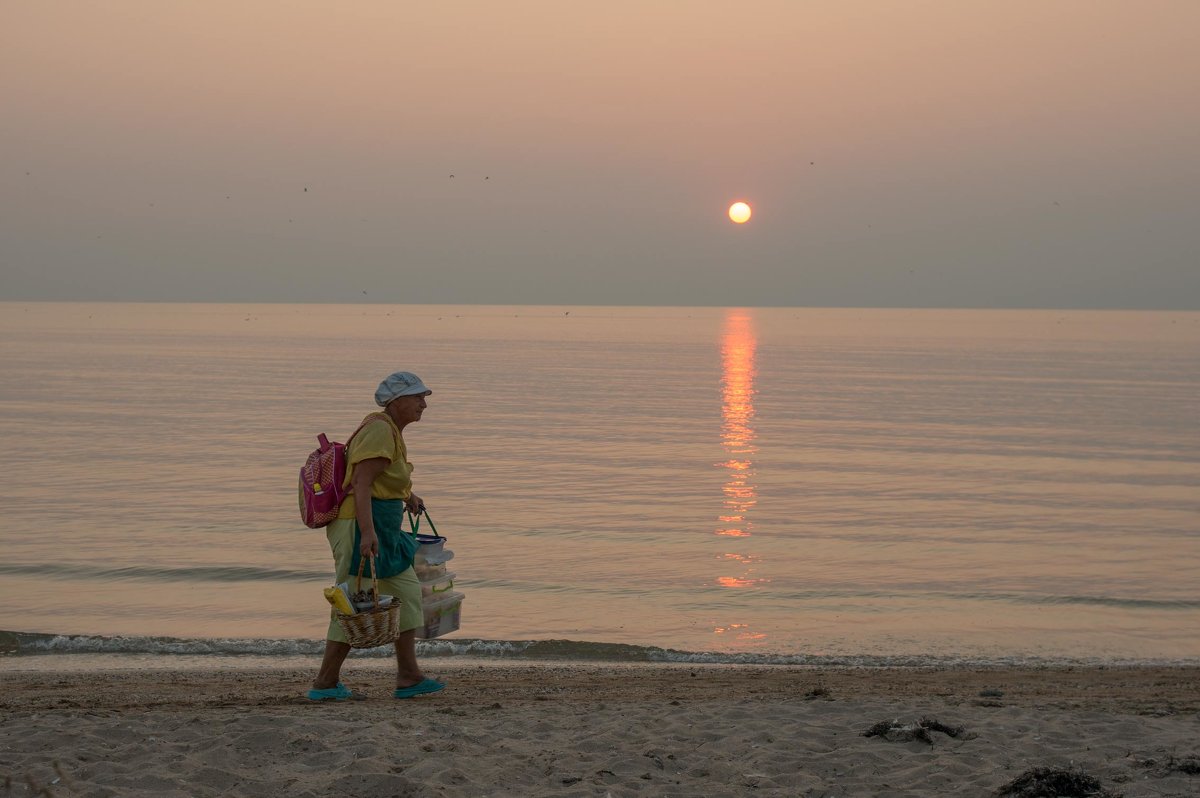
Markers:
432,549
428,571
436,586
442,616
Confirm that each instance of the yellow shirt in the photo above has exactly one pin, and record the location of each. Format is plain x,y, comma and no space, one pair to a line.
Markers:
379,438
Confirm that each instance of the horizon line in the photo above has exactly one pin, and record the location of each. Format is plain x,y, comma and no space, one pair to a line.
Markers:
352,303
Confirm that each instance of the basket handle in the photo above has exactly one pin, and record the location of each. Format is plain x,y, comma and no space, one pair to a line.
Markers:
374,580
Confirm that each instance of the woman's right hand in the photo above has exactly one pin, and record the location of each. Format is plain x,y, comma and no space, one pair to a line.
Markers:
368,545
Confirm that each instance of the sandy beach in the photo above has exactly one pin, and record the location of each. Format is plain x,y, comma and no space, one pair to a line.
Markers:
597,730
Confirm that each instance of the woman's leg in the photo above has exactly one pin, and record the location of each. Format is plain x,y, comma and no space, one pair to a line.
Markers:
405,587
331,665
408,672
340,534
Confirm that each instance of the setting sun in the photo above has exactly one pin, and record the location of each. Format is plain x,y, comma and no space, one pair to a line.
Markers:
739,212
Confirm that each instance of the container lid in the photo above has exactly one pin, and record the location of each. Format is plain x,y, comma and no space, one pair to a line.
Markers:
446,599
436,557
446,577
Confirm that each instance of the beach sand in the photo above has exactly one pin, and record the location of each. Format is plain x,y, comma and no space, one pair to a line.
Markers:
595,730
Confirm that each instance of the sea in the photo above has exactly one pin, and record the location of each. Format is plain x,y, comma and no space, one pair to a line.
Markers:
797,486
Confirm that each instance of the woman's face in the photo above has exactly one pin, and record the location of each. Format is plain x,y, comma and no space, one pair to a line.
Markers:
408,409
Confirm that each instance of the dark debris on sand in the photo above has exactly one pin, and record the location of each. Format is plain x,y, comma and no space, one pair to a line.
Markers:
897,732
1189,765
1047,782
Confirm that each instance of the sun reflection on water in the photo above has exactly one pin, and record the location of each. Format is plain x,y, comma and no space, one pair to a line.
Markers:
740,631
737,412
738,344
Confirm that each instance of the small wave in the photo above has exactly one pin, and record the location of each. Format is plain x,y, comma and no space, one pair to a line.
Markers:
18,644
202,573
1124,602
32,643
762,598
767,597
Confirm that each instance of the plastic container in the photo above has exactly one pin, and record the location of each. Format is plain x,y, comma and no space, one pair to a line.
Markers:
430,544
442,616
433,558
436,586
431,549
427,572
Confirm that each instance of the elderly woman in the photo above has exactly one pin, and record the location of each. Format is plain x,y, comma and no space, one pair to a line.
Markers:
370,524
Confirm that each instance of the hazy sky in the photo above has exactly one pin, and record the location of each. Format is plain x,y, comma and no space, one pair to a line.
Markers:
896,152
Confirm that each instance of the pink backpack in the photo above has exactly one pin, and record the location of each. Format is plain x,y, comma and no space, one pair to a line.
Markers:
321,478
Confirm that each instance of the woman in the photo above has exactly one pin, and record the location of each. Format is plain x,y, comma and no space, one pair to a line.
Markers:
369,524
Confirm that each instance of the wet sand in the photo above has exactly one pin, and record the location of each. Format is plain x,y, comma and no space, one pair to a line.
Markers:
551,729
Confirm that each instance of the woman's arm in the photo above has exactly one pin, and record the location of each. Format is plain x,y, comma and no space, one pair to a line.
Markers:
365,474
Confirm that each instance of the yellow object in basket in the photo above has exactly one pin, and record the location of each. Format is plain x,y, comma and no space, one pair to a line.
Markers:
339,601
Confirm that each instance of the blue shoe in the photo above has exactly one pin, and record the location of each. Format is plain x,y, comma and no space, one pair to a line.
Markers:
339,693
420,688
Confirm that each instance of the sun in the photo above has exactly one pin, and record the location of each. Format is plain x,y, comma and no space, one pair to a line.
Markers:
739,213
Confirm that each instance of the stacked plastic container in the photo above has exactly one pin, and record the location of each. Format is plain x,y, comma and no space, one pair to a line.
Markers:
441,603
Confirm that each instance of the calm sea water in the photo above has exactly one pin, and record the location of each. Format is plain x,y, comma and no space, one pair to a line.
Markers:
740,484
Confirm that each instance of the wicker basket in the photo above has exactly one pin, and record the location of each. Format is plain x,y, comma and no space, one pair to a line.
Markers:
378,626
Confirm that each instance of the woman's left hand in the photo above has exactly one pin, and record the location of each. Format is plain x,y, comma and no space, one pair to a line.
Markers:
415,504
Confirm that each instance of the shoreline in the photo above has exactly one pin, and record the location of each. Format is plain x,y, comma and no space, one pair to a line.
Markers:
78,651
1133,688
554,728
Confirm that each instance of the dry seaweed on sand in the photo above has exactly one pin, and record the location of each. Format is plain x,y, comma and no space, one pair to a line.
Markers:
1189,765
897,732
1047,782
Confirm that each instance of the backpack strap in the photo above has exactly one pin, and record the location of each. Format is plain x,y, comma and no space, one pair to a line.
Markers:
370,419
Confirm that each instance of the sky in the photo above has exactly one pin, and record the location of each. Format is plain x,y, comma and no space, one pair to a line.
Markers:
916,153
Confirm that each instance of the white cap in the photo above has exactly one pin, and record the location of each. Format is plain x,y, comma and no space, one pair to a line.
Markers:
402,383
